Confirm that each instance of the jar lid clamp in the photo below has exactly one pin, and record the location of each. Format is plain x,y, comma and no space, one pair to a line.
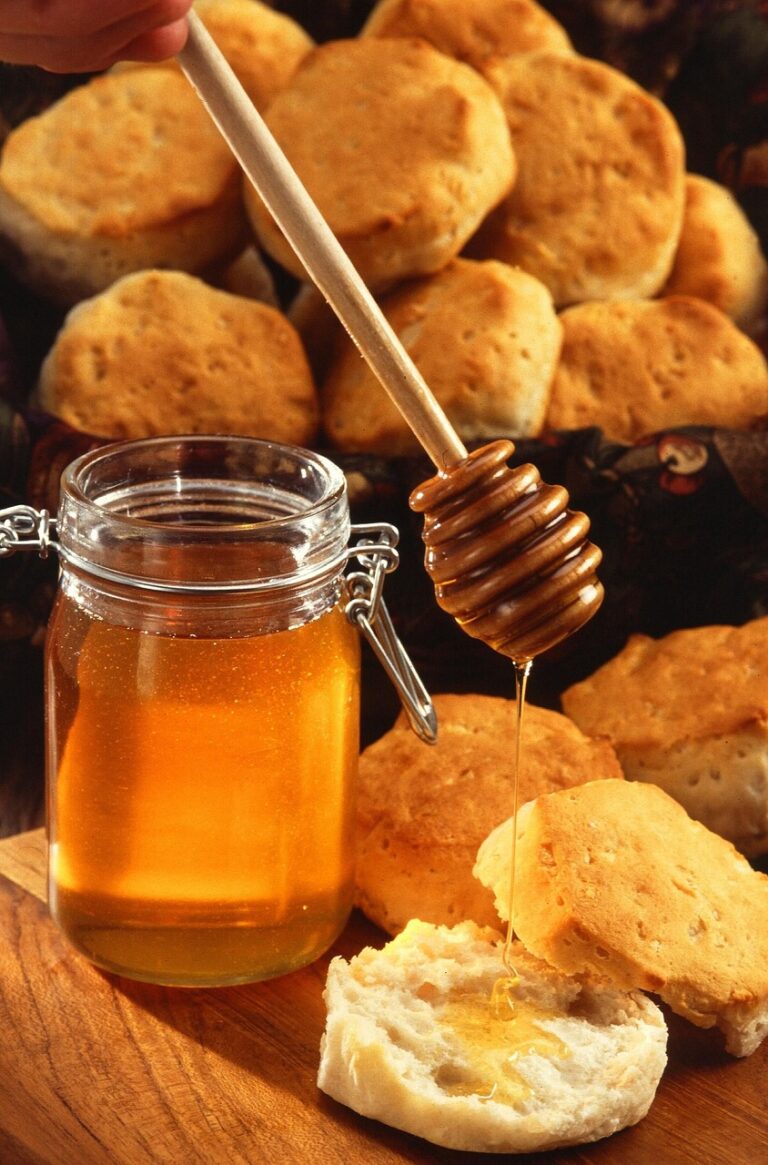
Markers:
375,551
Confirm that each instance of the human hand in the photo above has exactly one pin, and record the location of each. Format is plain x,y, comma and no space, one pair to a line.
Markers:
83,36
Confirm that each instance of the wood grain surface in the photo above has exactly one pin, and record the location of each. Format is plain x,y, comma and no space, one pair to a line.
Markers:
97,1070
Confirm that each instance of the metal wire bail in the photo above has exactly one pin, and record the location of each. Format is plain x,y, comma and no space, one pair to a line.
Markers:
25,528
375,548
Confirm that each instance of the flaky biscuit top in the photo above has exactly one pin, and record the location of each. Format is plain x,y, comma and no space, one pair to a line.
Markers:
691,684
615,877
453,792
125,152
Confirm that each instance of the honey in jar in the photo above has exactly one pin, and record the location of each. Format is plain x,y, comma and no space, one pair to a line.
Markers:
202,705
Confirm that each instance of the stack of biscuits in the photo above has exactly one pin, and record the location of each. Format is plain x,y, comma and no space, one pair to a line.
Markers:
523,214
612,876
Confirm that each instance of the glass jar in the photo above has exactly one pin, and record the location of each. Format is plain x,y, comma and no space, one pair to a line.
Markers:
202,692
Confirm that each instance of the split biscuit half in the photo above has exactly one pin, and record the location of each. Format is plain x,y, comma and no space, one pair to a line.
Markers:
412,1039
614,879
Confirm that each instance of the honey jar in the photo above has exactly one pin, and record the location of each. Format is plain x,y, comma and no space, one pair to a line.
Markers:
202,705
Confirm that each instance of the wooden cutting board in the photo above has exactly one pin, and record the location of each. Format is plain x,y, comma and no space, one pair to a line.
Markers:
97,1070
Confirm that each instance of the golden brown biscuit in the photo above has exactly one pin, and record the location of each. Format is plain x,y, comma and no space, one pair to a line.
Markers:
718,256
124,173
162,352
403,149
471,30
689,712
633,368
264,47
423,810
613,878
597,207
486,339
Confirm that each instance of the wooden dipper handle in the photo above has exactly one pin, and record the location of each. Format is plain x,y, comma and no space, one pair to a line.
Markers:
316,246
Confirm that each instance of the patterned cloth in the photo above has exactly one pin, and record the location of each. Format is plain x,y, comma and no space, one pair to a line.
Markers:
681,518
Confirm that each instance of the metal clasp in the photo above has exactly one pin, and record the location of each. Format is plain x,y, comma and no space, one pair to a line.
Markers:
375,548
25,528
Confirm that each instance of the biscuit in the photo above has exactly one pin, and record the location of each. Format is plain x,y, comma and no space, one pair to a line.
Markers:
486,339
689,712
471,30
597,207
124,173
613,878
403,150
718,255
411,1039
633,368
162,352
423,811
264,47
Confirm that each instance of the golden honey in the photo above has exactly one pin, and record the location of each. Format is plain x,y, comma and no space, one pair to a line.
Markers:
202,807
202,694
492,1042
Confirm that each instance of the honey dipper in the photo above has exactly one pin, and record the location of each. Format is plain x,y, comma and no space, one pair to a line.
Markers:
508,559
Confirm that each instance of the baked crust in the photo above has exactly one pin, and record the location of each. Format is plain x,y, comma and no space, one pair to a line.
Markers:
263,46
597,207
403,149
123,173
471,32
614,878
423,811
691,684
689,712
634,368
718,255
162,352
486,339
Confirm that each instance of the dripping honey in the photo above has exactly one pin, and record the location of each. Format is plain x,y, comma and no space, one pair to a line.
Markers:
201,811
496,1031
522,672
481,517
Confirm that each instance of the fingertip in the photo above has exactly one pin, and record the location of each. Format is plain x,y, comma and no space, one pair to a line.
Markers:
158,45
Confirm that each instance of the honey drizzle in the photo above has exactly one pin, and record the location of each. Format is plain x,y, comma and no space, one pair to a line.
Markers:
522,673
519,1032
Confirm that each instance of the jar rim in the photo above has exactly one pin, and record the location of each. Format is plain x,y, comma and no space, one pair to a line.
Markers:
73,473
204,513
